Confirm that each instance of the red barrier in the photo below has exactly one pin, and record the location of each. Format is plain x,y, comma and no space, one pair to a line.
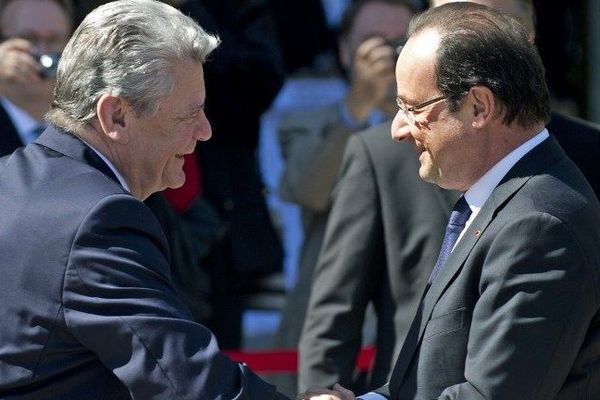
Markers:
286,361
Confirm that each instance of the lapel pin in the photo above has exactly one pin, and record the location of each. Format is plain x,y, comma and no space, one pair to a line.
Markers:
477,233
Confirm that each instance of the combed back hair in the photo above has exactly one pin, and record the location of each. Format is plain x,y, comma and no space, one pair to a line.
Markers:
66,5
483,47
352,11
126,48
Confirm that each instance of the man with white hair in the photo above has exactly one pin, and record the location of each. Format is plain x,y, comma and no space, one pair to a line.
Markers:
88,306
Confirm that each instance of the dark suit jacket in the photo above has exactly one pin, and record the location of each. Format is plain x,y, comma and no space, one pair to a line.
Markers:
381,242
9,138
513,314
581,141
242,78
88,310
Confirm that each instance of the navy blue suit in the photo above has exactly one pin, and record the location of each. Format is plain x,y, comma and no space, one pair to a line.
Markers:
88,310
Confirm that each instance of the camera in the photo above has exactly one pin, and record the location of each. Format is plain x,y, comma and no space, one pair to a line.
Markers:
396,44
49,63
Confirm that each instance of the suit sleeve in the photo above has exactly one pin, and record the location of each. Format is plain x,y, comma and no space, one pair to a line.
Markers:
119,303
537,296
350,263
313,146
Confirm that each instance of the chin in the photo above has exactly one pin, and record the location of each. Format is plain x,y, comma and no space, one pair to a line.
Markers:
176,183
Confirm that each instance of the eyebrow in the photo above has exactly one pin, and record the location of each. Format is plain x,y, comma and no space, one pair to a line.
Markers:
189,113
197,107
193,109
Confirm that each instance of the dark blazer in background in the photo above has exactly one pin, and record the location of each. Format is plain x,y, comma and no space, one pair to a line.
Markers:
9,137
242,78
581,141
88,309
382,239
514,312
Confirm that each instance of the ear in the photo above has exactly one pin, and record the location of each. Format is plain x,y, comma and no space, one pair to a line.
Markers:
111,111
483,105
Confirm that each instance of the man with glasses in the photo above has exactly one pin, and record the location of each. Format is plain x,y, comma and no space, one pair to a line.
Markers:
511,308
31,31
409,111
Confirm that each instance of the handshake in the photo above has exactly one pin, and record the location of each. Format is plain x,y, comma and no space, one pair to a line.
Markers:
338,393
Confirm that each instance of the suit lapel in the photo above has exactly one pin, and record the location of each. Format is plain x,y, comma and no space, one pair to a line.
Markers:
73,147
545,154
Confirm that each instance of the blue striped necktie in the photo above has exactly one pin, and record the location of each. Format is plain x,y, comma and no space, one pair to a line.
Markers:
458,218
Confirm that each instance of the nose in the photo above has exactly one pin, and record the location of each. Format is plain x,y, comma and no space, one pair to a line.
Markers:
400,127
203,131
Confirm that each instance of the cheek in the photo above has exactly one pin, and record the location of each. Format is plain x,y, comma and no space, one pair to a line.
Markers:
181,138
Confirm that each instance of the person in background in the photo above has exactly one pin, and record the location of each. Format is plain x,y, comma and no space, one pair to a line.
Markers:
88,305
510,310
382,236
29,29
313,142
230,214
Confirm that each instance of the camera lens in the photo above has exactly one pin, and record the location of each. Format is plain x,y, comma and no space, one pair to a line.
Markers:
49,63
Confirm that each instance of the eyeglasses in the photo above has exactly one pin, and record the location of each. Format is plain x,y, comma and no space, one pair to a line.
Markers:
409,112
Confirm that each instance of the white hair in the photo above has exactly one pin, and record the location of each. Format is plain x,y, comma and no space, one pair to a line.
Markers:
125,48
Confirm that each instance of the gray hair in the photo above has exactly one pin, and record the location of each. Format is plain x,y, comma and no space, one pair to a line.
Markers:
126,48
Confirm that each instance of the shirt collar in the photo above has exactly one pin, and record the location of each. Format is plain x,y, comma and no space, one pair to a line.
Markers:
477,194
111,166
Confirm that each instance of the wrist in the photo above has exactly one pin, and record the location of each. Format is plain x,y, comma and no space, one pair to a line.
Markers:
359,106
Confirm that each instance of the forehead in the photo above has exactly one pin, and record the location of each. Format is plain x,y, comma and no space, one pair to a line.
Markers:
415,68
377,18
44,16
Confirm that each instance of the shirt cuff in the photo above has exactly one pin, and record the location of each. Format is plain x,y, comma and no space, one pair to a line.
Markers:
372,396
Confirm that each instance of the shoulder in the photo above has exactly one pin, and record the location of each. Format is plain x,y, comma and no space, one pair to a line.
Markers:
384,153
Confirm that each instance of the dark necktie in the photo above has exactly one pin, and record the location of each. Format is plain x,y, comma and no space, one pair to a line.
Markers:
458,218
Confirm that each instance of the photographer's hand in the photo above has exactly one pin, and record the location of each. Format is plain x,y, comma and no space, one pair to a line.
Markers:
16,63
372,77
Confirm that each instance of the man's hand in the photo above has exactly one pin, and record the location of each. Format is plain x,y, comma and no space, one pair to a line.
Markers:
339,393
372,77
16,63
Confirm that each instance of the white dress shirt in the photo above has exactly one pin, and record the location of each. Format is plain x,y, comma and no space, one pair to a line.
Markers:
111,166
